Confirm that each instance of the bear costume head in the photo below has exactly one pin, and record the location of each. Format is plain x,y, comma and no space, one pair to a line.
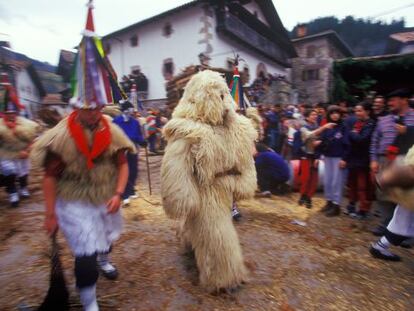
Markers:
206,99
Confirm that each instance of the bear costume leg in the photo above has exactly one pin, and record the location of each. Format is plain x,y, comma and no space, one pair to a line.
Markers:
217,247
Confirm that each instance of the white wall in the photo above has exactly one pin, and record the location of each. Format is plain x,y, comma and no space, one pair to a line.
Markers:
407,49
27,92
182,46
194,32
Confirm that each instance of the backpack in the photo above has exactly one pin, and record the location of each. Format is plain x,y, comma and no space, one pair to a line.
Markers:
297,145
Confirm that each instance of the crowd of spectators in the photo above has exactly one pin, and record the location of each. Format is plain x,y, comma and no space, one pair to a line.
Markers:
346,146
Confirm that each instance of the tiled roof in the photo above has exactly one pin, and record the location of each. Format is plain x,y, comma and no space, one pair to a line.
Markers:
403,37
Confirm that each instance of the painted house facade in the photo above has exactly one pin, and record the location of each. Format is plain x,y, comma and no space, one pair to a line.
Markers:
29,90
161,46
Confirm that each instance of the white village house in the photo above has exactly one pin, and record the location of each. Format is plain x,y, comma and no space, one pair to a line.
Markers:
161,46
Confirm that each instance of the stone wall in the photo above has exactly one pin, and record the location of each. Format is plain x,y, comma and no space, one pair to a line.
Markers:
316,55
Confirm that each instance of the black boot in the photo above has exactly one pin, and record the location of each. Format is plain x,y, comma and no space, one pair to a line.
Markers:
379,231
308,203
327,207
24,192
350,209
302,200
384,254
334,211
235,213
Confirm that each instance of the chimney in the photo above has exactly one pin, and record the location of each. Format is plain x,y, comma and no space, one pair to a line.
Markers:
301,31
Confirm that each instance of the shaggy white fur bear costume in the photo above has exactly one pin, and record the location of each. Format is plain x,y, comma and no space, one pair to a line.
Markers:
403,197
207,165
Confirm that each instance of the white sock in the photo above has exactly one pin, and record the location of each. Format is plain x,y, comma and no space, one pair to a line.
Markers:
14,197
88,298
383,243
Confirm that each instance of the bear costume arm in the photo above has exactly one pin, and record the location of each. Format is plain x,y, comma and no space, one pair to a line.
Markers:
180,194
246,183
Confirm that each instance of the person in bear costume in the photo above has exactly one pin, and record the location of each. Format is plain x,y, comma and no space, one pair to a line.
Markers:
208,164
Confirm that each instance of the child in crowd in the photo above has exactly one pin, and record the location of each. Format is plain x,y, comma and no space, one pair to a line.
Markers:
309,161
361,188
334,147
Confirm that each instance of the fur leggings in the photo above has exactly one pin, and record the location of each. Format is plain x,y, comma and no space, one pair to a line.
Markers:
214,239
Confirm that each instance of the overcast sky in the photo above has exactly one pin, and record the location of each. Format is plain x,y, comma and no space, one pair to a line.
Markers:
40,28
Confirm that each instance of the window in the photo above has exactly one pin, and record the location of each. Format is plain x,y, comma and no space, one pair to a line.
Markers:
133,40
135,70
167,30
168,69
310,75
245,75
261,71
310,51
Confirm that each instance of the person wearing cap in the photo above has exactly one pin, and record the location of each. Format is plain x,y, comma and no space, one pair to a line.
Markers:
132,129
16,136
390,141
85,170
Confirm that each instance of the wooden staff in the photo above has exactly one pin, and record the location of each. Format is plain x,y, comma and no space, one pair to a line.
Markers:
148,170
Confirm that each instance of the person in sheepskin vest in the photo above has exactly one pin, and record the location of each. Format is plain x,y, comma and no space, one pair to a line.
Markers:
16,136
85,168
208,164
253,114
85,174
397,183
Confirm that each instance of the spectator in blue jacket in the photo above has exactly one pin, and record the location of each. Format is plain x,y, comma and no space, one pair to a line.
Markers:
132,129
273,127
334,147
272,170
360,185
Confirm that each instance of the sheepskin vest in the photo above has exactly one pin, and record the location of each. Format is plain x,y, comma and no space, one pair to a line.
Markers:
19,139
254,116
77,182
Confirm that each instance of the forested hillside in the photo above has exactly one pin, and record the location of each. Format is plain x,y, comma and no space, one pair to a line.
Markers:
365,37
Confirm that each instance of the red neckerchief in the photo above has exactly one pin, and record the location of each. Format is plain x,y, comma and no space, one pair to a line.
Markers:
392,152
10,124
101,139
359,124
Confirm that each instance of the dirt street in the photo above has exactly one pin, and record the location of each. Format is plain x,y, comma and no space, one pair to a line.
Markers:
324,265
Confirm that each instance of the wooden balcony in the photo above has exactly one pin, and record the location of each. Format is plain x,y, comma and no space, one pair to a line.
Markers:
233,27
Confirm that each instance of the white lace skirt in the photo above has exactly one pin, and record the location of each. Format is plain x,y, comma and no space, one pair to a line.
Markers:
402,222
19,167
88,228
